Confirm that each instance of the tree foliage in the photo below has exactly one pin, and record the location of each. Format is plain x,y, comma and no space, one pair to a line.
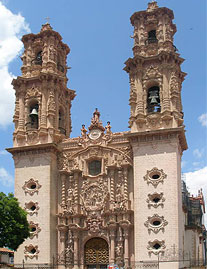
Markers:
14,228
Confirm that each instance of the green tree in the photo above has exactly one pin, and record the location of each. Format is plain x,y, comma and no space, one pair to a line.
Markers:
14,228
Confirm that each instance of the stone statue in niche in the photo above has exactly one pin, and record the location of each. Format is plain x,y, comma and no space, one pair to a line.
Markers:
69,252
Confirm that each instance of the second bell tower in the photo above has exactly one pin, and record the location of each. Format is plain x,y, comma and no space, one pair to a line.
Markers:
157,134
43,101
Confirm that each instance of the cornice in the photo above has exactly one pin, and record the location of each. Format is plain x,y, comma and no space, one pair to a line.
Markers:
34,149
161,134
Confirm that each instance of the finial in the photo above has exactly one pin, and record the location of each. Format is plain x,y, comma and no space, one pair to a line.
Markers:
152,5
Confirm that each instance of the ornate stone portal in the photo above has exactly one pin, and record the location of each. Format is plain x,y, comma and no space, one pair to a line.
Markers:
95,196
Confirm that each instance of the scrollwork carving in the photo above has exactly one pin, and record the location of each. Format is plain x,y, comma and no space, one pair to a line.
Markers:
156,223
155,176
31,186
156,247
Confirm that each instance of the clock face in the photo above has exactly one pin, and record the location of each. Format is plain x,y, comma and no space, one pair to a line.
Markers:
95,134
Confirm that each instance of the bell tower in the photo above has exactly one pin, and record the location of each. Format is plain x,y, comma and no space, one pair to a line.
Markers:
42,120
43,101
157,133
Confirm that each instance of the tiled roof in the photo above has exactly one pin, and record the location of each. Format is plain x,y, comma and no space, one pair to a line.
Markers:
6,250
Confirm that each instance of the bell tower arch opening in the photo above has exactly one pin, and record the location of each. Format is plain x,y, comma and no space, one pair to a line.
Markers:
96,253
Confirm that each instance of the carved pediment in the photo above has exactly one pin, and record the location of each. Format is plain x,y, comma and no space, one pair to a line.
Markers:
108,156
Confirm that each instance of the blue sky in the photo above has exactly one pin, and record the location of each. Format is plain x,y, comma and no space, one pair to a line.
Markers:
98,33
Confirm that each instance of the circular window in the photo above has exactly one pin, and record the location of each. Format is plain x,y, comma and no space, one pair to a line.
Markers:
156,199
156,246
155,176
156,222
32,186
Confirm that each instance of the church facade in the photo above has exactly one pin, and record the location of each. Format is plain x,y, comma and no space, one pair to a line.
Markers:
104,198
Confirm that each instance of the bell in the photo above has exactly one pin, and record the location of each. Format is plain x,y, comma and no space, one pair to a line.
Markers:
34,113
153,100
153,97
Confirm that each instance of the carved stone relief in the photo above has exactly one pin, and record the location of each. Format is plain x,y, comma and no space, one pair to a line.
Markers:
31,186
155,176
155,200
156,223
32,208
156,247
35,229
31,251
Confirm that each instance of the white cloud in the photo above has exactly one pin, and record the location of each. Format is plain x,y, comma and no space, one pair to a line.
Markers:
5,178
198,180
198,153
12,27
203,119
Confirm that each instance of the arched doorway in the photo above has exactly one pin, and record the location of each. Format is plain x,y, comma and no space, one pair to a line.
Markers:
96,253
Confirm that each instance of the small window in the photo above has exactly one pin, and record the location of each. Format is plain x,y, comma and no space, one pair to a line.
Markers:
156,246
61,122
153,99
38,59
152,38
33,116
94,168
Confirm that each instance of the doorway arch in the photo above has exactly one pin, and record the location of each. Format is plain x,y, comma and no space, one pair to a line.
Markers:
96,253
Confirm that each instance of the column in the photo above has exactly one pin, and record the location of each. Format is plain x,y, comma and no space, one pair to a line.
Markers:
76,249
125,183
43,114
63,191
112,252
126,247
112,195
166,100
21,111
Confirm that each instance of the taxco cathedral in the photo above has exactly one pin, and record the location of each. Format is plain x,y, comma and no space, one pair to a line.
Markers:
106,198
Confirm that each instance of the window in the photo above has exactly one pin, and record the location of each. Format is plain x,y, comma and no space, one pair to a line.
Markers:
153,99
94,168
61,122
33,116
152,38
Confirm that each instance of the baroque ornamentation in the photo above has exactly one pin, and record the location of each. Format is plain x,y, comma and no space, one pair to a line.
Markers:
33,92
94,224
32,208
69,251
31,251
35,229
155,176
31,186
63,160
156,247
94,195
152,72
156,223
155,200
